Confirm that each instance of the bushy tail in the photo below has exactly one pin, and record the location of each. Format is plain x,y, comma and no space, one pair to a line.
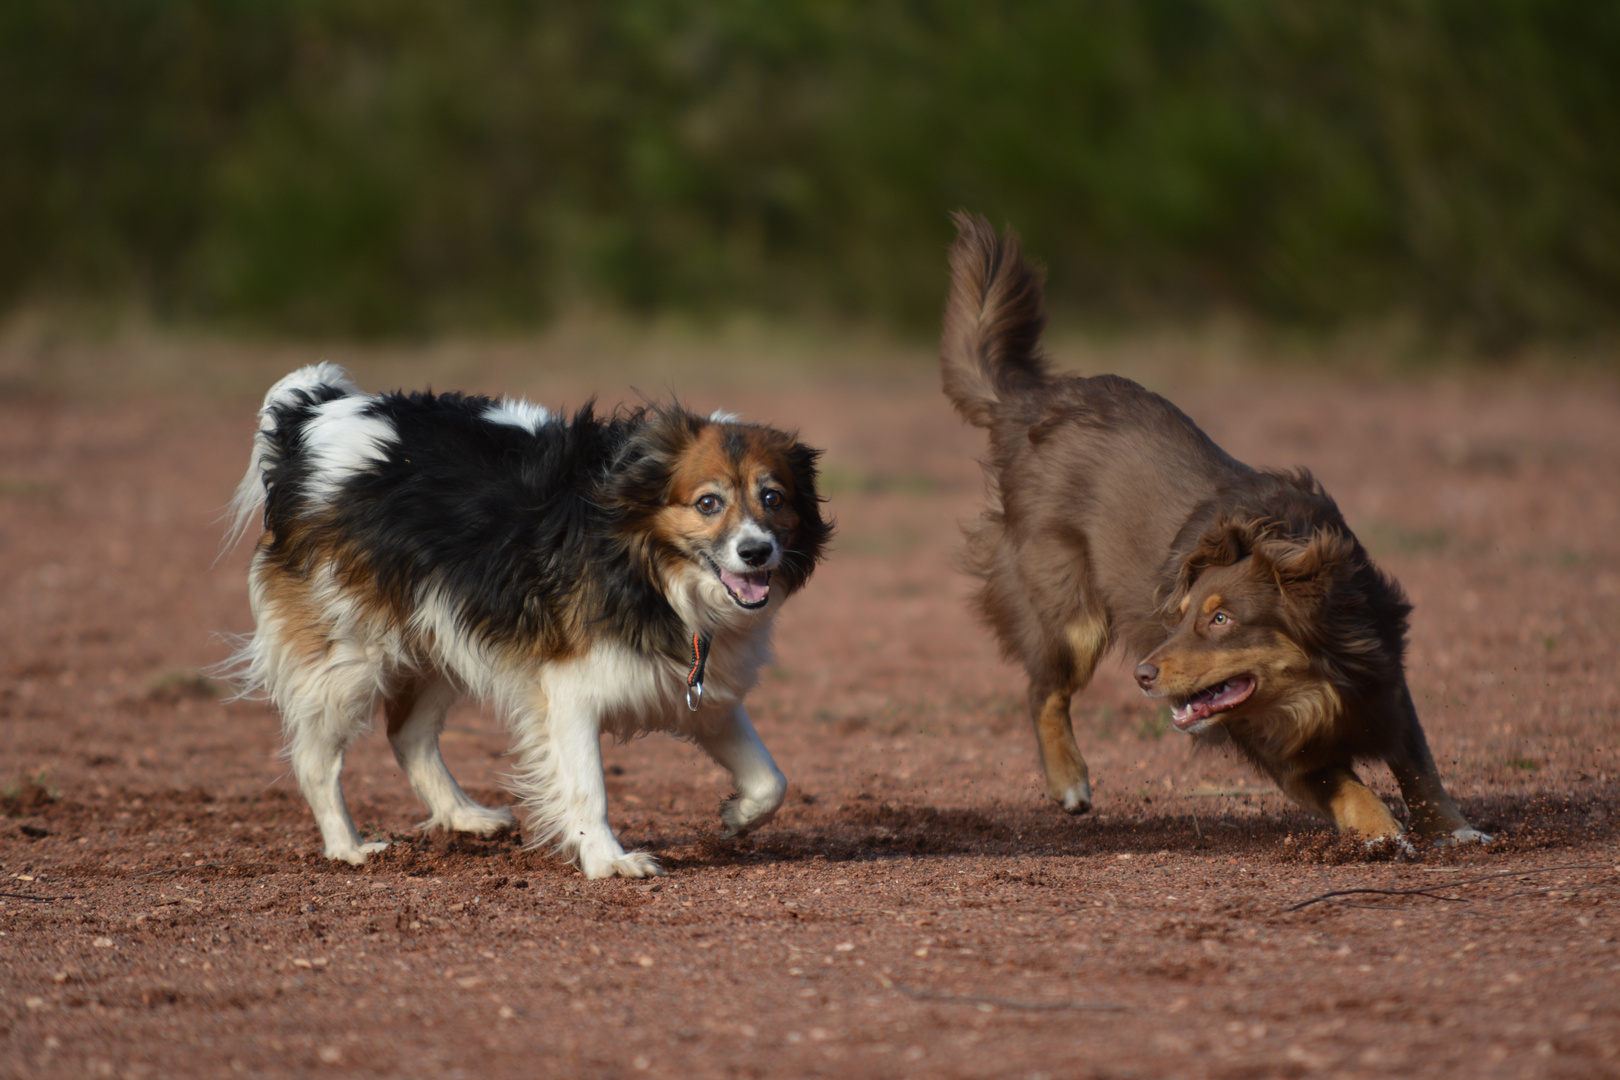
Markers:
990,351
306,386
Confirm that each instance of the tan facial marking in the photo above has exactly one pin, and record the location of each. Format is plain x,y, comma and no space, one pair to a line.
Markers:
703,463
1185,600
763,464
1213,601
1185,672
704,469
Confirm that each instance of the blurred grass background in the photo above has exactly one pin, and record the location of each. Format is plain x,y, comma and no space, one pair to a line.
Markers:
388,168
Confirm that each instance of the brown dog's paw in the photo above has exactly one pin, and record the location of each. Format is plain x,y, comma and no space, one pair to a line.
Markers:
1465,835
1074,799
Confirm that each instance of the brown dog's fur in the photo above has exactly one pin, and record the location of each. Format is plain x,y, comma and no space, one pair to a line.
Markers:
1114,519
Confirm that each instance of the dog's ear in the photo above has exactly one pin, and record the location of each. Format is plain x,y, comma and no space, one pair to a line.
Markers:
1305,570
643,467
810,541
1222,544
1349,618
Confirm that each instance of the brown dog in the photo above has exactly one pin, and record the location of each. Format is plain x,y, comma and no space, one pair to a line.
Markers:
1113,518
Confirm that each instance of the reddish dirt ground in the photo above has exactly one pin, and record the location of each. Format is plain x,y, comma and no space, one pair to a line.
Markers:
917,909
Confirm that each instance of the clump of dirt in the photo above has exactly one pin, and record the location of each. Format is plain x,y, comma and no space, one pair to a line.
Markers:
26,796
1334,849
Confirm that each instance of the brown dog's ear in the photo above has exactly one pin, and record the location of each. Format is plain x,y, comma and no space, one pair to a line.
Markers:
1223,544
1306,569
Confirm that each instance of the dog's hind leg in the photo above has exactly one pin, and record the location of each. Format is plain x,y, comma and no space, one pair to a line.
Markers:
761,787
415,715
1051,687
1068,781
326,703
1431,812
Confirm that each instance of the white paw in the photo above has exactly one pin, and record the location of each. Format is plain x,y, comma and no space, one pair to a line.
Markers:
482,820
740,816
598,855
630,864
1397,847
1465,835
1075,799
355,854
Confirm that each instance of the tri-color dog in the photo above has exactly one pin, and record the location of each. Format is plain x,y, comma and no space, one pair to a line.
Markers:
586,575
1255,612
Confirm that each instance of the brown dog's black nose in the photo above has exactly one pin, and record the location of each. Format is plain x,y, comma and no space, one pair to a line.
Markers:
1146,675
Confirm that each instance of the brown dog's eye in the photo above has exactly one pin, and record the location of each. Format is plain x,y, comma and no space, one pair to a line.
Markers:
1220,619
771,498
709,504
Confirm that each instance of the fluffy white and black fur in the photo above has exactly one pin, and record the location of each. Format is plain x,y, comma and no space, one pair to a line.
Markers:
421,547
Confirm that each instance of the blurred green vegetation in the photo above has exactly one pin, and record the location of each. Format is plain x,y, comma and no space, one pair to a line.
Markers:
377,167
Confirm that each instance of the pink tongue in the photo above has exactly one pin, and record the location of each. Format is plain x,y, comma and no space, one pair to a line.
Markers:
1183,715
1210,701
750,588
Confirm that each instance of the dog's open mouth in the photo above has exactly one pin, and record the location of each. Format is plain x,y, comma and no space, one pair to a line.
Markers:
1213,699
751,590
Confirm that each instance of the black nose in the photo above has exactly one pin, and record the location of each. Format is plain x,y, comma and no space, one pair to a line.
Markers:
1146,675
754,552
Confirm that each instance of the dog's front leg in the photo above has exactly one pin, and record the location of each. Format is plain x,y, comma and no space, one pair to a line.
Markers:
566,795
761,787
1336,793
1431,812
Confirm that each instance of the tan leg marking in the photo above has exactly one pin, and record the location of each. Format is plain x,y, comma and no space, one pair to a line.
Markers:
1335,793
1068,781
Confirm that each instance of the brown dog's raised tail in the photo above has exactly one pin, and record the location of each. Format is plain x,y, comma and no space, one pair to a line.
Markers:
990,353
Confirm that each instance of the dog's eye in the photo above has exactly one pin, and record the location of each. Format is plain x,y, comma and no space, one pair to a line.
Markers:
709,504
771,498
1220,619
